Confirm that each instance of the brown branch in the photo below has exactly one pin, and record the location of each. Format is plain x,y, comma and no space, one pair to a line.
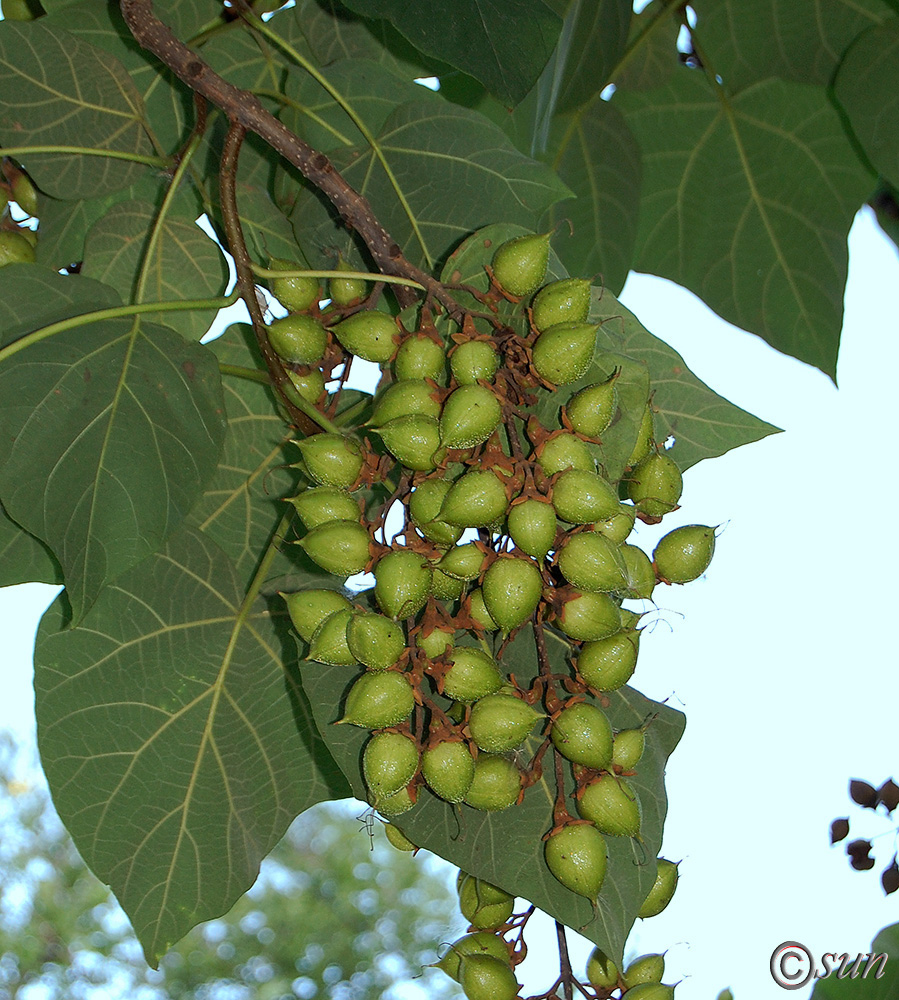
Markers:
243,107
564,960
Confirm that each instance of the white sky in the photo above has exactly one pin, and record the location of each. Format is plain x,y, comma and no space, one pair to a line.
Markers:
782,656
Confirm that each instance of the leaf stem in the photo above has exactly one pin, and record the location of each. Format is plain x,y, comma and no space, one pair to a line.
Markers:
248,374
387,279
112,154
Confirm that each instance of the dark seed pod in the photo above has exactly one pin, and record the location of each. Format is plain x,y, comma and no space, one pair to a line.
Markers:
888,794
839,830
889,878
859,855
862,793
645,437
398,839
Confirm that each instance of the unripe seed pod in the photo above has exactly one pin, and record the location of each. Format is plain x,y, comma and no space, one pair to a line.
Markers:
483,977
477,609
346,291
464,562
483,904
309,386
448,768
475,500
607,664
563,301
379,699
328,643
299,339
332,459
591,562
340,547
627,749
643,444
402,583
394,805
398,839
309,608
444,587
408,396
478,943
650,991
602,972
582,734
645,969
641,577
617,527
564,451
496,783
577,856
474,360
512,590
4,196
370,334
414,440
590,410
419,357
519,264
470,415
532,526
582,497
424,506
659,896
435,643
564,352
685,553
501,722
472,675
375,640
15,249
25,194
612,805
389,763
655,485
322,504
629,619
587,616
296,294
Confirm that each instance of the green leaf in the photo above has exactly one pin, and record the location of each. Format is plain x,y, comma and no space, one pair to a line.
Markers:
867,87
885,988
23,558
702,423
747,201
32,297
503,43
185,262
652,56
454,170
176,738
58,90
113,429
505,847
266,229
803,40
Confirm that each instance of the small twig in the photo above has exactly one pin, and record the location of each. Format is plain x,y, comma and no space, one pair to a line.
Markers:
564,961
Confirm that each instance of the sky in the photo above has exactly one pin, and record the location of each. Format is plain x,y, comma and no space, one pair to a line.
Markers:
782,655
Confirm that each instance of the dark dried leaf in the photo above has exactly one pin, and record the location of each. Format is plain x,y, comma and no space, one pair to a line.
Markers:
859,855
839,830
890,877
863,793
888,794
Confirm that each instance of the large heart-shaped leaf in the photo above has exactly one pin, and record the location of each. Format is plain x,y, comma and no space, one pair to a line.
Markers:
176,737
23,558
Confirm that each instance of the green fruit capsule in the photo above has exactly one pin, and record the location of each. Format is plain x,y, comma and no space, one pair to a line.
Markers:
519,264
414,440
15,249
650,991
475,500
340,547
331,459
617,527
424,507
375,640
446,588
324,503
346,291
478,943
477,609
660,894
684,554
645,969
608,664
563,301
501,722
640,576
512,589
298,293
24,194
419,357
582,734
389,763
483,977
591,562
472,675
627,749
464,562
435,643
309,608
309,385
402,583
448,768
612,805
328,643
398,839
577,856
474,360
299,339
588,616
408,396
483,904
394,805
582,497
496,783
602,972
378,700
470,415
564,451
564,353
532,526
643,444
370,335
590,410
655,485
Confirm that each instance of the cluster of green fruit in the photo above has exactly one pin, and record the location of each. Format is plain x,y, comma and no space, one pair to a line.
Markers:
507,522
17,242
